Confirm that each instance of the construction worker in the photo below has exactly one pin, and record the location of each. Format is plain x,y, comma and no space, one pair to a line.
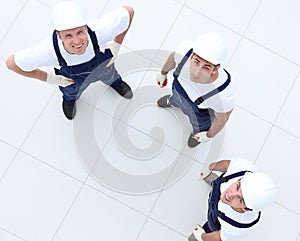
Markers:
80,51
235,202
201,88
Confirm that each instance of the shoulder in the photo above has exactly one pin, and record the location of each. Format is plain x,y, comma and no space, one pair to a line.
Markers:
230,232
42,54
227,96
240,164
110,25
182,49
111,19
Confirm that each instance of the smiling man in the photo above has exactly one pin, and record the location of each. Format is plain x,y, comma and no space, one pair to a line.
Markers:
201,88
235,202
80,51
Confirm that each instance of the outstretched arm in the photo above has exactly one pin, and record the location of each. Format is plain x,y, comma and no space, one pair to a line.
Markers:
50,77
36,74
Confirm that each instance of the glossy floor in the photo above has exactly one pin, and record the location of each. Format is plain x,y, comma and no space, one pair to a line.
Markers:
121,170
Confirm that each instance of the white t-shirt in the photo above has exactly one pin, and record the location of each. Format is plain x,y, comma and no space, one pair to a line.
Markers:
229,232
43,54
221,102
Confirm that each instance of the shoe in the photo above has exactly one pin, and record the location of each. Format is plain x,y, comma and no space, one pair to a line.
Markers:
69,109
192,142
164,101
124,90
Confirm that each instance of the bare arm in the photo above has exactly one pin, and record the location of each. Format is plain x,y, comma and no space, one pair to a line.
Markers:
221,166
119,38
36,74
218,123
169,64
214,236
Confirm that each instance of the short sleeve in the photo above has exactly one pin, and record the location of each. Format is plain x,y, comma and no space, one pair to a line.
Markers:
41,55
110,25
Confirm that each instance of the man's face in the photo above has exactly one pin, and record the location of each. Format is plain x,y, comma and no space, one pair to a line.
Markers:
75,40
233,197
202,71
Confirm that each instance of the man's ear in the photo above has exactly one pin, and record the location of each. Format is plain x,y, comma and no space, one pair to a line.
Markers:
192,55
216,68
58,34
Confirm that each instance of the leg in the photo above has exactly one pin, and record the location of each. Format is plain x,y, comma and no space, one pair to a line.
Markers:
69,101
112,78
200,120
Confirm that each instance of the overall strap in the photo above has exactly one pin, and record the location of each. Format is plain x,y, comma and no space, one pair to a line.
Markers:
215,91
182,62
237,224
59,56
229,220
231,176
94,40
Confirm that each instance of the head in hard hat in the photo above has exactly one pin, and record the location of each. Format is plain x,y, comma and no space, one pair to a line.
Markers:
70,23
254,191
209,53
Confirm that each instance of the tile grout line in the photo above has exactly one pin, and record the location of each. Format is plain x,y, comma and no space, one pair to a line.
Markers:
18,14
290,210
183,5
243,34
120,121
166,226
155,202
13,234
84,183
26,137
29,132
277,116
103,9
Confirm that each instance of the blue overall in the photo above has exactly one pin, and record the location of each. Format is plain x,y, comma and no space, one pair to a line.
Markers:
200,119
86,73
213,213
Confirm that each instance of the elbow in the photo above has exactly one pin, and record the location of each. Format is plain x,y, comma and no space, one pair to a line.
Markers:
130,10
10,63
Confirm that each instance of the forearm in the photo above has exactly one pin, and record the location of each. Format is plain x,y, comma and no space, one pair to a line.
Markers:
221,166
218,123
214,236
36,74
169,64
216,126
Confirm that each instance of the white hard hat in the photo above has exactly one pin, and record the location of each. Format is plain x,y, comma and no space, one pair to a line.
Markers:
67,15
258,190
211,47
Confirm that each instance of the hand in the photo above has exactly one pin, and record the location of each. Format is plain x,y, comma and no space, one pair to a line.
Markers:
205,172
201,136
115,49
198,231
162,80
60,80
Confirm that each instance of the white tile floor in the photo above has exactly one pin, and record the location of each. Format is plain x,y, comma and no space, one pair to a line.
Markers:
99,177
